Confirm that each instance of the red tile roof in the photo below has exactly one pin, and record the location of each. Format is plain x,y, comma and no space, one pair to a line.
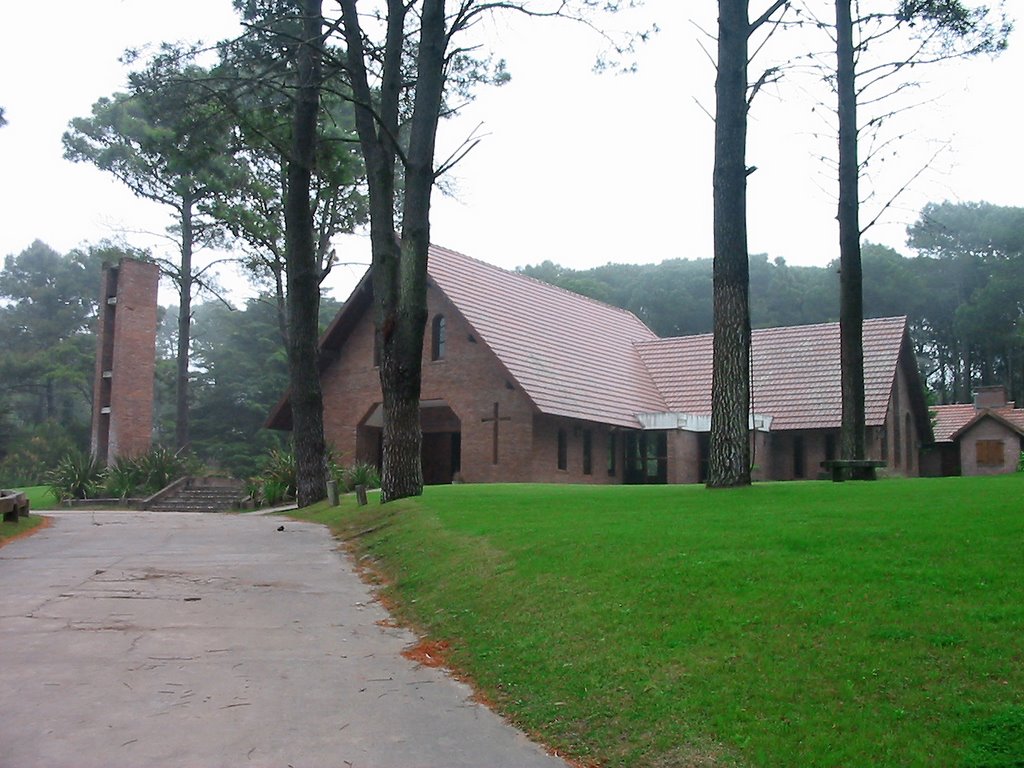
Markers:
573,356
796,372
951,419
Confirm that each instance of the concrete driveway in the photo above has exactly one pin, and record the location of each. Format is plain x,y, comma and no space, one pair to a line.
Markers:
156,639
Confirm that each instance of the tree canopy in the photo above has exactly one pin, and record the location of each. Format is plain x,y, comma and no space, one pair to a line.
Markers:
168,144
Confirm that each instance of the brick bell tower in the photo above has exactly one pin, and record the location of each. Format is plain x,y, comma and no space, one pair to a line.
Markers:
122,406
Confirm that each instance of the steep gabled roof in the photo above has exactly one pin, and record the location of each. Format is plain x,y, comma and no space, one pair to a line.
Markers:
796,372
951,421
571,355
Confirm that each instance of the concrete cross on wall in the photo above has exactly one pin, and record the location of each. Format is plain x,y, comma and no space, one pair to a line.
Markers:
496,419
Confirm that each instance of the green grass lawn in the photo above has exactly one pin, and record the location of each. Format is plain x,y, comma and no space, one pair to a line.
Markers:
40,497
794,624
10,531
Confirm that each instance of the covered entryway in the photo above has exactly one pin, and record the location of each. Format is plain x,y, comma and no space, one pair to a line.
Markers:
646,457
442,440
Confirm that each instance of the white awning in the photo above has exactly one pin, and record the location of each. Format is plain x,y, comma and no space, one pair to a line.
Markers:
696,422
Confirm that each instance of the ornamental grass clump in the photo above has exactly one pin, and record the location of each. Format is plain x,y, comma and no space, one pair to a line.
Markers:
81,476
361,473
277,481
122,479
78,475
148,473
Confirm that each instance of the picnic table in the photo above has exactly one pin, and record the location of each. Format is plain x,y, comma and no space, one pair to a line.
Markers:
852,469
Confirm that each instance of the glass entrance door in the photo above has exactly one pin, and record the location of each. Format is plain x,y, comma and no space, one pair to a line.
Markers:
646,458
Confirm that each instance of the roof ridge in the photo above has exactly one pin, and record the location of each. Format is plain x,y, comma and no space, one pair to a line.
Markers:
709,334
541,283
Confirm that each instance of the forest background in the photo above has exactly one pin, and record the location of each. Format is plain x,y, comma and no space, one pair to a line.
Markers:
962,288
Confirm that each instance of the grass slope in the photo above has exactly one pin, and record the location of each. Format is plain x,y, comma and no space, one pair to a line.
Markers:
40,497
793,624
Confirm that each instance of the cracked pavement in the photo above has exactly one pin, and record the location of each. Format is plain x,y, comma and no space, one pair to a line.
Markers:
161,639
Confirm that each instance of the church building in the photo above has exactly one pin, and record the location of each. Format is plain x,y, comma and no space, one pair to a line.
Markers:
526,382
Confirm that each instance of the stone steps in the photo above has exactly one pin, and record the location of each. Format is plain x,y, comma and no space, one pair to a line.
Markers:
199,495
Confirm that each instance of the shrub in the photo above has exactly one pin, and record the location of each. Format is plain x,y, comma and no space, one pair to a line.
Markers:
146,474
254,490
161,467
360,473
123,479
273,492
1020,462
76,476
280,471
279,479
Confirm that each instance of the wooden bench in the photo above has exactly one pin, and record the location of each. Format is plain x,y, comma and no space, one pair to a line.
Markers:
13,505
852,469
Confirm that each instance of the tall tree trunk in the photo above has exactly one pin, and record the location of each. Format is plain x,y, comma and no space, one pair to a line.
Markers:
303,270
851,301
399,263
729,460
402,473
181,414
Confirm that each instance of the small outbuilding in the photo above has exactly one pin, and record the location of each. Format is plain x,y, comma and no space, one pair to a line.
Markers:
985,437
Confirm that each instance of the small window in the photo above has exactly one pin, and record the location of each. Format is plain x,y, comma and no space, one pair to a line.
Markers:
588,445
989,453
611,454
563,450
897,440
439,338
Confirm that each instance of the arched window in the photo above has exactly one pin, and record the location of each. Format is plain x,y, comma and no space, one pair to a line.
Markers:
911,444
897,443
438,338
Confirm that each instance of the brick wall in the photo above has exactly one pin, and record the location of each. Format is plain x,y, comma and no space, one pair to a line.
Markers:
898,442
544,452
469,379
683,457
995,433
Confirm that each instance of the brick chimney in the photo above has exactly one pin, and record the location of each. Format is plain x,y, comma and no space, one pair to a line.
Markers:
990,397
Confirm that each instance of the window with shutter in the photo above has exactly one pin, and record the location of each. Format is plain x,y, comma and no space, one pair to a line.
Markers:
989,453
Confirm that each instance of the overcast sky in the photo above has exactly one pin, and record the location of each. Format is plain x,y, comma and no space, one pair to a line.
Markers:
575,167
